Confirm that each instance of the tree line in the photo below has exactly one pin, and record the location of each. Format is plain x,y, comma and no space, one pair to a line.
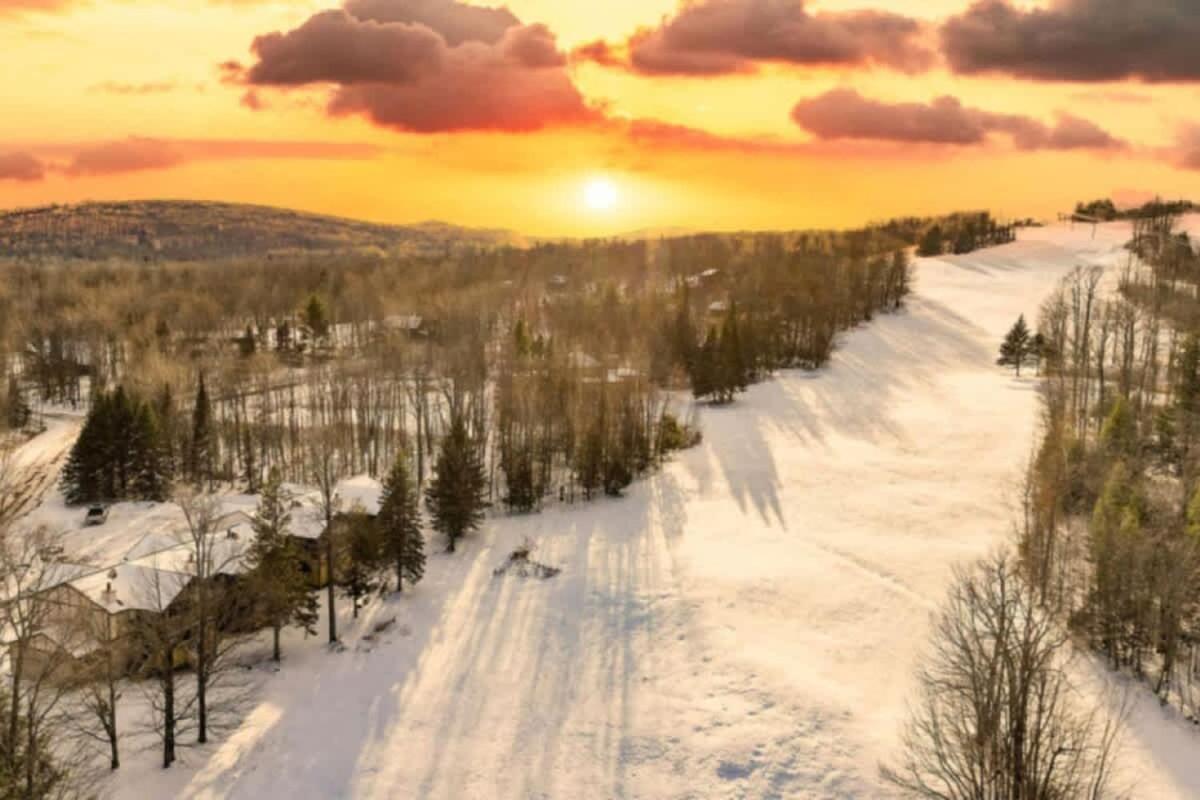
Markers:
1110,535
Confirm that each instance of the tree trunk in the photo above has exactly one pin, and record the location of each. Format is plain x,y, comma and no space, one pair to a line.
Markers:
114,752
275,652
168,709
333,637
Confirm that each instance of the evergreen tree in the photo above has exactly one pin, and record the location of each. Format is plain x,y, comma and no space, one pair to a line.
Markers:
200,458
316,319
683,334
119,453
281,588
399,523
362,559
933,243
705,372
732,372
457,493
248,344
1015,349
164,412
17,411
589,457
150,469
1118,435
1038,350
82,476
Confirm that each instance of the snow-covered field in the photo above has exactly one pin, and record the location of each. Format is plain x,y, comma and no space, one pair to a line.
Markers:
742,625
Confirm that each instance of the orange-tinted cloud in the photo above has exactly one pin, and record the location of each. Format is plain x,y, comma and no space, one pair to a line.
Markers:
137,89
426,66
137,154
845,114
19,6
1187,147
1078,40
719,37
21,167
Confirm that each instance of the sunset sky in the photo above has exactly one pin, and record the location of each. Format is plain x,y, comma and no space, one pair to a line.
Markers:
556,117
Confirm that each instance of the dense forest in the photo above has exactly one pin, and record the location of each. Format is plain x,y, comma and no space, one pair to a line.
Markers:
563,359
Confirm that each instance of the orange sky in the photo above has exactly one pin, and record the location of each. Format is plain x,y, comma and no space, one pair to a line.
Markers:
96,72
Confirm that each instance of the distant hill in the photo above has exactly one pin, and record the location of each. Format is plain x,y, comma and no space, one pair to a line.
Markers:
182,230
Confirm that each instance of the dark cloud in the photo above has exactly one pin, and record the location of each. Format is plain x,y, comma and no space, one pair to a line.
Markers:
716,37
424,66
479,87
21,167
1078,40
334,47
455,22
845,114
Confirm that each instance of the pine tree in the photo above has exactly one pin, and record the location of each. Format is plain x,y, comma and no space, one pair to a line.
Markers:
1118,434
81,480
200,458
683,334
733,376
150,470
933,243
457,493
316,319
1015,349
399,523
18,411
281,588
705,372
248,344
589,457
363,558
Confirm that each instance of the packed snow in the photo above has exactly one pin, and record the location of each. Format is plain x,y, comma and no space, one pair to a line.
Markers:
743,624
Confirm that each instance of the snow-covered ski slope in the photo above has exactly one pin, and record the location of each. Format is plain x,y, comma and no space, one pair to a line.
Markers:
742,625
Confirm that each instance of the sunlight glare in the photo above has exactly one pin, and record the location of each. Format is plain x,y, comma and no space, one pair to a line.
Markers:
600,194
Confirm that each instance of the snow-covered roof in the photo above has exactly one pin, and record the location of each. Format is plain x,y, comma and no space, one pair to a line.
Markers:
404,322
127,587
361,490
581,360
307,522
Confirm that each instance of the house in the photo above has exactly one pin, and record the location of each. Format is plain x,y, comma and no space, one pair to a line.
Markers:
308,529
97,614
414,325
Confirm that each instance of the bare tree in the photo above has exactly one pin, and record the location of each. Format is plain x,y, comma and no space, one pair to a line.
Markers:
322,458
213,558
995,718
34,759
164,637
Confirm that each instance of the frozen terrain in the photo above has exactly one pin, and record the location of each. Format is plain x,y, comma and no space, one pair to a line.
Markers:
741,625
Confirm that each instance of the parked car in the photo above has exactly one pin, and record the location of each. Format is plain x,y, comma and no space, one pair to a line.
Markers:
96,515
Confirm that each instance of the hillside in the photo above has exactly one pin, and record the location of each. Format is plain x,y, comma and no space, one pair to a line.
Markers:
181,230
742,624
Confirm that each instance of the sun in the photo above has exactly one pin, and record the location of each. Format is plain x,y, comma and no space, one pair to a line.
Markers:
600,194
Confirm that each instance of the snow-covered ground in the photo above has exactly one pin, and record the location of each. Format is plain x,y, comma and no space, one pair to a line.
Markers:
742,625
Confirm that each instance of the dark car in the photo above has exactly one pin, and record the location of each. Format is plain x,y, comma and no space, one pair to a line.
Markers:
96,515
